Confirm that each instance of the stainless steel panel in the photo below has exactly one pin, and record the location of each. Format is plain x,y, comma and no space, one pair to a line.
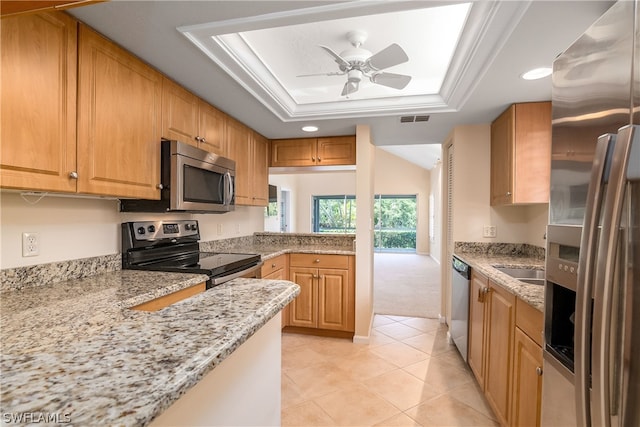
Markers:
459,311
590,97
558,394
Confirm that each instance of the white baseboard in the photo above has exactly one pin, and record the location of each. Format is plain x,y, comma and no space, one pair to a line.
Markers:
364,339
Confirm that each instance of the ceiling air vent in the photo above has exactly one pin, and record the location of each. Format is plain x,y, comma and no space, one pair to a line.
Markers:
414,119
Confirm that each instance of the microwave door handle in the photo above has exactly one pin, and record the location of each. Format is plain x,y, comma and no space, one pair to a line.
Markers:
229,190
605,279
585,277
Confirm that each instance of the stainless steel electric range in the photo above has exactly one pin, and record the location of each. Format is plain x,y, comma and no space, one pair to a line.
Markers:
173,246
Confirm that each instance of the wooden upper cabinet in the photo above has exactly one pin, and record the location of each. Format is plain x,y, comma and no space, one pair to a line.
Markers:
15,7
238,148
330,151
211,123
521,154
119,112
293,152
39,57
338,150
260,167
179,113
187,118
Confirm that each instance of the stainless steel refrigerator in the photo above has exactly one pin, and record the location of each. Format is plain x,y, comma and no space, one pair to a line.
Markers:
592,292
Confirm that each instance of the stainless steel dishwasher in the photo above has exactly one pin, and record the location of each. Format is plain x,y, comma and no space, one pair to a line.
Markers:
459,328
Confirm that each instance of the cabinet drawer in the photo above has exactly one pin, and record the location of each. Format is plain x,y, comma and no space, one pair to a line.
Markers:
529,320
274,264
166,300
320,261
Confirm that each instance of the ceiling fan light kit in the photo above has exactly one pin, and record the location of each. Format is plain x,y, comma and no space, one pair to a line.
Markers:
357,62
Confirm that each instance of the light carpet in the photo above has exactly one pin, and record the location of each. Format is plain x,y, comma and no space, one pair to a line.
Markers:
406,285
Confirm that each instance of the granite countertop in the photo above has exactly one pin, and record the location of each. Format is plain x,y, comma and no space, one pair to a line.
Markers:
75,347
483,262
267,251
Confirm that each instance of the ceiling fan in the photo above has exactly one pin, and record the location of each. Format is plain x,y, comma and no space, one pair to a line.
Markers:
357,63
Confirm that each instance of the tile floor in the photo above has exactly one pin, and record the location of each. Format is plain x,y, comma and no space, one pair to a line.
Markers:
408,375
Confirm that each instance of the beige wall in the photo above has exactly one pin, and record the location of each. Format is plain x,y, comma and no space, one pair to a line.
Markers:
471,208
394,175
72,228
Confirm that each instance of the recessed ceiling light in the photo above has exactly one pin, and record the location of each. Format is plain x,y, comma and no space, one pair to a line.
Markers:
310,128
537,73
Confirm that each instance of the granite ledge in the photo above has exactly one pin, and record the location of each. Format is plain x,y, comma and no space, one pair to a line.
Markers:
130,366
484,262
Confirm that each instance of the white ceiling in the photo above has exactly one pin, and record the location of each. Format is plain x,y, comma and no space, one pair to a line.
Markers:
247,52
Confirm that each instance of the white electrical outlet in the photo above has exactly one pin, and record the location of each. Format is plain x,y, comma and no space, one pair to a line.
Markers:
30,244
219,229
489,231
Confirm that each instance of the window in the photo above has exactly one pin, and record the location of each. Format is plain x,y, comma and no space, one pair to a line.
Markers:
334,214
395,219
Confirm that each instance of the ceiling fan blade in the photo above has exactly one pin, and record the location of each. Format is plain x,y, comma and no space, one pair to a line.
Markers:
339,60
322,74
388,57
350,87
396,81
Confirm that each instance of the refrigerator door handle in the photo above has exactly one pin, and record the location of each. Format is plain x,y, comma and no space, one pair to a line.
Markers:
586,270
605,278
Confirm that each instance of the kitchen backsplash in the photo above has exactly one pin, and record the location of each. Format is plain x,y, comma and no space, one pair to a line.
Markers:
54,272
512,249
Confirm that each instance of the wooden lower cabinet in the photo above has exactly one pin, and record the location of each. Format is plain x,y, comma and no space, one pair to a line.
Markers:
505,353
499,347
327,299
479,287
278,269
527,381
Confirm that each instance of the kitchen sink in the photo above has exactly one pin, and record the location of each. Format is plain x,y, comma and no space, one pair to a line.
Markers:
522,273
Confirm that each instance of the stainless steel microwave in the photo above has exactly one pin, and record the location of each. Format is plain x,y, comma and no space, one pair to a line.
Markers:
192,180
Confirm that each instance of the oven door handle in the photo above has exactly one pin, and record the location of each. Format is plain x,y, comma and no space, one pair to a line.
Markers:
221,279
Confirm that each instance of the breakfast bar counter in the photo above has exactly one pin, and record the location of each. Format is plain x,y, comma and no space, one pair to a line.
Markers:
75,352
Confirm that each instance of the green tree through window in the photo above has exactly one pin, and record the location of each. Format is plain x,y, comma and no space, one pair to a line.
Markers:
395,219
334,214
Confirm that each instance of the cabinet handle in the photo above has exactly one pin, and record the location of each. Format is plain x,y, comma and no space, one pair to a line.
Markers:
539,371
317,260
159,186
313,159
197,138
73,174
319,159
273,266
203,139
315,276
508,193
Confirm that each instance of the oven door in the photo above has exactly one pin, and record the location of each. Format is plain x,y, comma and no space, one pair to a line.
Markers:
200,186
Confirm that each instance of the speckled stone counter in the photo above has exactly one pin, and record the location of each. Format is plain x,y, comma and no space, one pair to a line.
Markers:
270,245
75,348
484,263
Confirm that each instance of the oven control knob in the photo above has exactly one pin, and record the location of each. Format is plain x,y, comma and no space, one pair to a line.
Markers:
141,230
187,226
194,227
151,228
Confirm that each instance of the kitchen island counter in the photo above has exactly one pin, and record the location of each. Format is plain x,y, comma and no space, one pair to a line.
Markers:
76,352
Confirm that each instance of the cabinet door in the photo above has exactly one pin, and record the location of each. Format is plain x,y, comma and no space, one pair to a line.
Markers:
477,298
39,57
502,134
527,381
339,150
260,167
532,153
211,129
119,111
293,152
499,347
303,309
179,113
333,299
238,147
